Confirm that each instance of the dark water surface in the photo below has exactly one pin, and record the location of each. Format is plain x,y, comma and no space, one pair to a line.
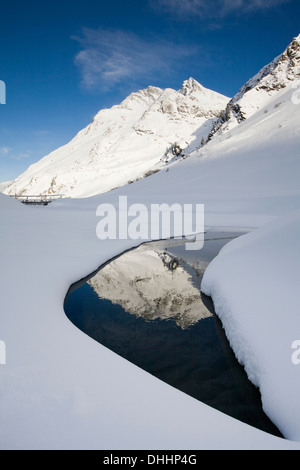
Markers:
147,307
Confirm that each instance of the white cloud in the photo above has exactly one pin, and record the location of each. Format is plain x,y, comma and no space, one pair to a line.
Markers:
109,57
22,156
4,150
11,154
213,10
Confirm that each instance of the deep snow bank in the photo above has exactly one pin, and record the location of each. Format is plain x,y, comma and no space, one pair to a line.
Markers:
254,282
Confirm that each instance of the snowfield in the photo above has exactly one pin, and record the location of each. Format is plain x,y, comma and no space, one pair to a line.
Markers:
59,389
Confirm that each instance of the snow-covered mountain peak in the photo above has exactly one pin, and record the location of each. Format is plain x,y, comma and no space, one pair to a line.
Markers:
144,97
276,75
195,101
129,109
126,142
269,83
190,86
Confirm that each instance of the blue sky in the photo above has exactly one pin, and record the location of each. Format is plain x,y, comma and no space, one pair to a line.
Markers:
63,61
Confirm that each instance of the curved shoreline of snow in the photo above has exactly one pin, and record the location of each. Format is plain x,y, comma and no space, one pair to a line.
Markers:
60,389
246,266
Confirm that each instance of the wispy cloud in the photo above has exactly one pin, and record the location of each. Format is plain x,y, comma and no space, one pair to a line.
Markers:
11,154
5,150
213,9
22,156
109,57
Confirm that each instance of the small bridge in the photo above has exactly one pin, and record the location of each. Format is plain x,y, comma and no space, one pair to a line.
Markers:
39,200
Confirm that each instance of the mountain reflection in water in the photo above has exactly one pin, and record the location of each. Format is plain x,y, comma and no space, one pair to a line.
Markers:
153,283
147,307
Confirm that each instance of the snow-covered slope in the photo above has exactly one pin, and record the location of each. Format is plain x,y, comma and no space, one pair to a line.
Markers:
270,82
4,185
125,142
